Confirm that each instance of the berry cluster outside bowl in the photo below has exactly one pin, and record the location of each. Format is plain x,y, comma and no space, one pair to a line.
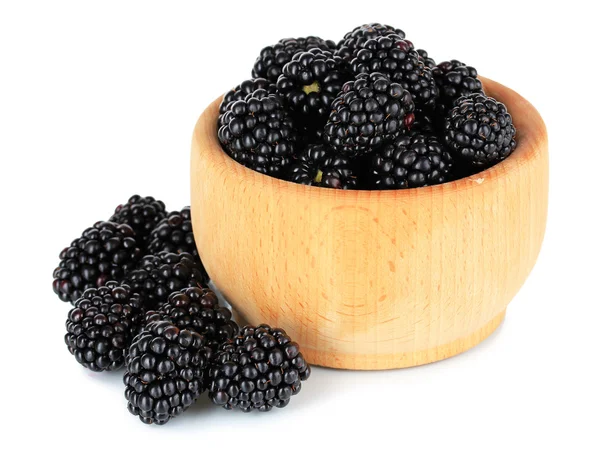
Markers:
373,279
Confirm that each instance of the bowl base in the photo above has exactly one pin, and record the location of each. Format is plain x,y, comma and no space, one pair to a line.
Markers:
402,360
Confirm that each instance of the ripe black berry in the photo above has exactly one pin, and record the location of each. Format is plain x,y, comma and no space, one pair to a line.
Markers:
319,165
479,130
271,60
455,79
354,40
101,326
197,309
410,161
241,91
141,214
106,251
258,133
370,111
261,368
174,234
396,58
157,276
164,372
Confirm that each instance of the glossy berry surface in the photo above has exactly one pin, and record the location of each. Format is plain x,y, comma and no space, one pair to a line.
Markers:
318,165
260,369
310,82
259,133
197,309
455,79
410,161
142,214
396,58
101,326
241,91
164,372
479,130
355,40
157,276
107,251
370,111
174,234
273,58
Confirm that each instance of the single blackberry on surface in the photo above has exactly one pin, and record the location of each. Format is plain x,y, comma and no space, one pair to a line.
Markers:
197,309
101,326
410,161
455,79
164,372
310,82
241,91
479,130
396,58
258,133
319,165
141,214
174,234
259,369
370,111
271,60
106,251
157,276
354,40
429,62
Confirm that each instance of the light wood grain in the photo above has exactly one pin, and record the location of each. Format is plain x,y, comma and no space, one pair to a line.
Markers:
373,279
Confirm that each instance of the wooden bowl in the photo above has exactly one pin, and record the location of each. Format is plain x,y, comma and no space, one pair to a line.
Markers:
373,279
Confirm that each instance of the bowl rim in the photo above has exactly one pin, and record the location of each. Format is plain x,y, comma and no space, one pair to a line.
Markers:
532,141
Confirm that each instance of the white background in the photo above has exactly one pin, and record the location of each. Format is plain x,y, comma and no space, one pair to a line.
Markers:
98,101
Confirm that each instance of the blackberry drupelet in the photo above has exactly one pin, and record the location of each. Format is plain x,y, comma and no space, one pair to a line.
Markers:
259,369
370,111
410,161
455,79
241,91
396,58
423,56
157,276
197,309
354,40
164,372
101,326
141,214
479,130
310,82
259,133
271,60
174,234
106,251
318,165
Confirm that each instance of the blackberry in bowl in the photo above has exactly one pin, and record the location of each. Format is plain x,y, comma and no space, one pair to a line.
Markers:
375,279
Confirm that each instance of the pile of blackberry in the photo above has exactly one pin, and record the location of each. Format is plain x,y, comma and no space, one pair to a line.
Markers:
370,112
141,301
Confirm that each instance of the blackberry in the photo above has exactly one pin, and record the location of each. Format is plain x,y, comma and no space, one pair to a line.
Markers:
311,81
455,79
369,111
259,369
396,58
164,372
101,326
318,165
479,130
354,40
241,91
197,309
106,251
271,60
423,56
411,161
157,276
141,214
174,234
258,133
